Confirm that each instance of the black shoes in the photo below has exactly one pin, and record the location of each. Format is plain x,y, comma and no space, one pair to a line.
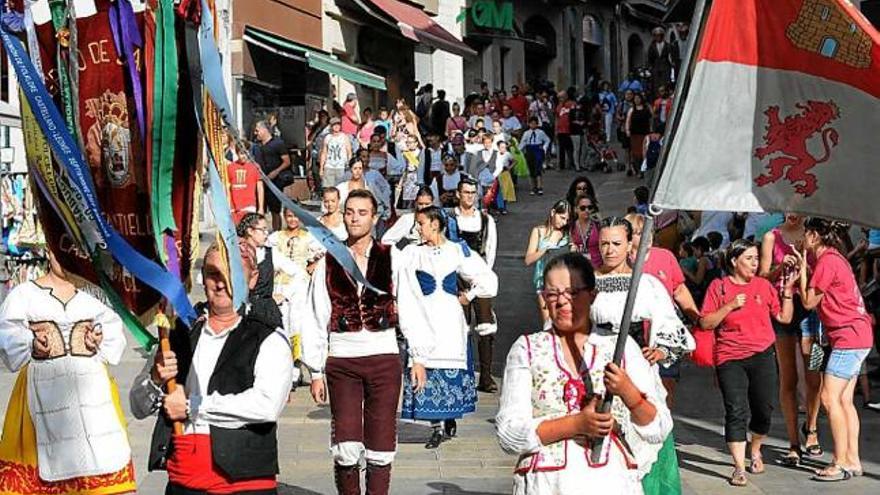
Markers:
435,440
450,428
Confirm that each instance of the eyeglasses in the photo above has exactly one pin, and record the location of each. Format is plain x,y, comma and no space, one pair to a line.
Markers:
551,296
585,207
264,230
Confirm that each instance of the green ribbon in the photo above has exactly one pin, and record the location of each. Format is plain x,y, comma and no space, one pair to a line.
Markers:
165,89
58,8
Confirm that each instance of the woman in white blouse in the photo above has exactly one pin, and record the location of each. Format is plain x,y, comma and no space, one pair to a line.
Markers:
437,264
552,384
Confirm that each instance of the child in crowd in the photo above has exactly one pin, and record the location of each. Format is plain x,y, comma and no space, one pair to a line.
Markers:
383,121
535,144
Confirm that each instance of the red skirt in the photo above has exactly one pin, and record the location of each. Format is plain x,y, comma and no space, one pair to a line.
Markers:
191,465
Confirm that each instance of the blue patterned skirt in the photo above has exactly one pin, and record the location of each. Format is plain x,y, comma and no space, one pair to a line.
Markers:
449,394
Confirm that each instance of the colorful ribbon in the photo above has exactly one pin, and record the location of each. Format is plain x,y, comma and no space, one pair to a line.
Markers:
85,206
127,37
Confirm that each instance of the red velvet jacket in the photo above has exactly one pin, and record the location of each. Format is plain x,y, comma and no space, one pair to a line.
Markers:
353,311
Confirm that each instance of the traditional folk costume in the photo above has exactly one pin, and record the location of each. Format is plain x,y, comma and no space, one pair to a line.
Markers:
538,386
403,232
237,380
292,252
64,430
479,232
655,324
349,336
450,392
444,189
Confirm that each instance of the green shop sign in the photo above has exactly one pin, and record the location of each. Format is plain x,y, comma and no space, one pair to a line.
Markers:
489,14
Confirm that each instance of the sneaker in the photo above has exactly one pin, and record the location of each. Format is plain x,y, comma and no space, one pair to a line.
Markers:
532,192
540,192
874,406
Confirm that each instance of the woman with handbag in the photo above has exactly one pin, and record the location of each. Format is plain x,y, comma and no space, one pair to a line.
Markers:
740,308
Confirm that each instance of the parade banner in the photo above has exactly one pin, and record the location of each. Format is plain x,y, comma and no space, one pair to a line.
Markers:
110,177
781,113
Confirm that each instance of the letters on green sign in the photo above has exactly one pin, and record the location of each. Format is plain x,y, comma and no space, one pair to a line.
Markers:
490,14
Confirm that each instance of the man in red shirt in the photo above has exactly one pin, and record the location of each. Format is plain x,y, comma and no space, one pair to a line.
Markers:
662,108
245,186
519,104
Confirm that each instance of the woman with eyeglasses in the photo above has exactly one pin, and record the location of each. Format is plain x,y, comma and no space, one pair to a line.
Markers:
553,384
546,241
740,309
656,328
585,229
450,390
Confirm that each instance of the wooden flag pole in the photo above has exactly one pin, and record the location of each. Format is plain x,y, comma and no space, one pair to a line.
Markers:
641,255
164,325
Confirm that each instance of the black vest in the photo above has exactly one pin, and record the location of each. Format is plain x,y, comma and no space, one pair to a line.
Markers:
247,452
476,240
266,279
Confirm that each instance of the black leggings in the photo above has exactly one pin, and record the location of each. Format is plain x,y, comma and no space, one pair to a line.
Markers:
748,386
566,151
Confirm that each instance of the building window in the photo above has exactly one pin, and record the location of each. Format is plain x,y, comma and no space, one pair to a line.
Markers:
4,76
829,47
505,57
4,137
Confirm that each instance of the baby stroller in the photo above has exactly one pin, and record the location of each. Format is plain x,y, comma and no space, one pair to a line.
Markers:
600,154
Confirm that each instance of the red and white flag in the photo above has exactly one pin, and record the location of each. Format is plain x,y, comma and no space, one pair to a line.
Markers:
782,114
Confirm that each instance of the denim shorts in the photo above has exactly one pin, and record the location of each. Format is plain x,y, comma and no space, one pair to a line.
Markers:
845,363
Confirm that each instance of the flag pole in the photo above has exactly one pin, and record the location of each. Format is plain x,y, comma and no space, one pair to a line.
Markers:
683,85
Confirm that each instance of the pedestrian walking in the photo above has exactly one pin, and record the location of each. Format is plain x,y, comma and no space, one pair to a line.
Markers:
535,144
565,147
638,125
552,384
776,265
335,155
271,154
655,328
739,308
350,345
450,389
832,289
234,371
350,116
547,241
60,339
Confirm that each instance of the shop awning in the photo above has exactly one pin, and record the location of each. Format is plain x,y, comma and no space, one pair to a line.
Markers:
416,25
316,59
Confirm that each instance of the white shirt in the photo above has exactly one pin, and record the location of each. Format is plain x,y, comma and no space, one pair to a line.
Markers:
502,163
262,403
715,221
535,137
405,226
474,223
318,343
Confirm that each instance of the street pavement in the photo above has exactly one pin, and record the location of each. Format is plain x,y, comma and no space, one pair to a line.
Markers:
473,464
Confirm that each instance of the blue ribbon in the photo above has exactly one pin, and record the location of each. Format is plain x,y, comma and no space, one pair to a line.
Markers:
212,78
70,157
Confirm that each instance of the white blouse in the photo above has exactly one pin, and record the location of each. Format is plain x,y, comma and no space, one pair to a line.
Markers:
517,424
78,430
439,311
652,304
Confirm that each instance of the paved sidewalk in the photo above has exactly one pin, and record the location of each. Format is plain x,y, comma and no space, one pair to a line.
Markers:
473,464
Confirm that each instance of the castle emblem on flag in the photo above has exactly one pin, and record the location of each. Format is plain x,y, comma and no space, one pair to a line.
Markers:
822,27
788,140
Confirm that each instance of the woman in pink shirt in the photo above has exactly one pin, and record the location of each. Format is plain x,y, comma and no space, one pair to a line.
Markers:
349,117
832,288
739,308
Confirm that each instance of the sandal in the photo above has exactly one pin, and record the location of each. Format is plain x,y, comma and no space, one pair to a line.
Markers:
738,478
828,474
757,465
792,458
812,450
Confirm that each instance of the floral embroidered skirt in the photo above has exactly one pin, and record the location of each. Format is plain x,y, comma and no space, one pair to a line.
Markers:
449,394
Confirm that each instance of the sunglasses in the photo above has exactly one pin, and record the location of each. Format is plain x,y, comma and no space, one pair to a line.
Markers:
585,208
